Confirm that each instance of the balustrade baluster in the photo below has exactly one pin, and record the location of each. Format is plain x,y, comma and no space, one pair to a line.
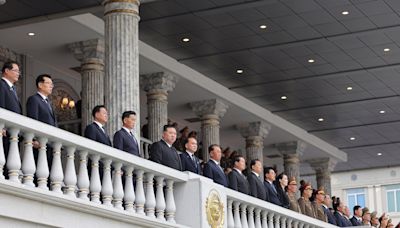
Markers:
277,219
264,219
28,162
13,158
296,224
56,173
150,197
283,222
243,215
42,170
250,217
290,223
107,189
129,197
270,219
118,193
170,202
83,177
236,214
70,174
95,183
160,199
231,222
301,225
140,197
2,155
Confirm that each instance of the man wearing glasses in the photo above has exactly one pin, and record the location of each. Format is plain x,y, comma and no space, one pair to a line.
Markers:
8,94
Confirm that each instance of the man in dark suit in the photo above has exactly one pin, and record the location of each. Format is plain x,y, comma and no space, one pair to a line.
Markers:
163,152
327,205
272,194
339,213
212,169
124,139
8,94
38,106
95,130
256,185
237,181
356,220
189,161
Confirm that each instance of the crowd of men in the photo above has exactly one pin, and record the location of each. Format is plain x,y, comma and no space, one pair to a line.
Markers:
262,183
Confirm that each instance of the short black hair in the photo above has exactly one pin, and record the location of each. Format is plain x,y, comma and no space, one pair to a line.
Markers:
253,162
267,169
211,147
8,65
237,158
187,140
165,128
96,109
355,208
126,114
280,176
40,79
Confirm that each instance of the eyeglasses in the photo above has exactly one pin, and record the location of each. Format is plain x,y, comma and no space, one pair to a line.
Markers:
308,189
16,71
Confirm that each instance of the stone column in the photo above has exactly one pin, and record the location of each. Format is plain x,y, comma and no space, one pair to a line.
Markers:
323,168
157,86
210,113
255,133
91,55
121,19
291,161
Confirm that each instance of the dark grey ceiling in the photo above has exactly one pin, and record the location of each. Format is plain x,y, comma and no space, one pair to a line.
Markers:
348,51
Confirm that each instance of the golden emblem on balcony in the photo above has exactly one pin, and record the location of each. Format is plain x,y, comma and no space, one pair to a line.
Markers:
215,209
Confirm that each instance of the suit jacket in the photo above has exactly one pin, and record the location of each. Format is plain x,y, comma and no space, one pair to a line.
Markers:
161,153
189,165
94,132
212,171
256,186
331,217
293,203
125,142
238,182
355,221
306,207
283,197
38,109
341,220
7,98
319,212
272,195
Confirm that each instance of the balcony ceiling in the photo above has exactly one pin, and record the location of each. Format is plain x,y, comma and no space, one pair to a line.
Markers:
348,51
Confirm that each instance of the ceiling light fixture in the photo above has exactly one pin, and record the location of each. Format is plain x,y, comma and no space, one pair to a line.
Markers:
185,39
320,119
352,138
386,49
263,26
349,88
283,97
382,111
311,60
239,71
379,154
31,33
345,13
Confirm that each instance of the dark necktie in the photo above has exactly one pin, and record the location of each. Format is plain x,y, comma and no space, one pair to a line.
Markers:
273,187
49,105
134,139
14,92
194,161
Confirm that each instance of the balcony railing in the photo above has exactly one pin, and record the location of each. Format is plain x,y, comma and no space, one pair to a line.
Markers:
148,192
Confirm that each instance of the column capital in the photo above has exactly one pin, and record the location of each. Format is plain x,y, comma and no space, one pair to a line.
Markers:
258,128
322,164
212,107
87,50
159,81
291,147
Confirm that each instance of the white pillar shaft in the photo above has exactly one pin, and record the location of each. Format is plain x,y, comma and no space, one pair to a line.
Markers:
210,135
157,110
70,174
56,173
28,162
83,177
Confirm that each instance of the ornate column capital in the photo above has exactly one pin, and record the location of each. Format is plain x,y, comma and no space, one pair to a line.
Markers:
88,51
258,128
209,109
293,147
158,82
322,165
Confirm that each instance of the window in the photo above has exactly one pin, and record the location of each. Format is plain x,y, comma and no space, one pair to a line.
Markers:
393,198
355,196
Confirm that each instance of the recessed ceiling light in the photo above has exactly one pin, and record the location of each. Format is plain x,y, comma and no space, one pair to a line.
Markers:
320,119
345,12
239,71
352,138
382,111
185,39
386,49
263,26
283,97
311,60
349,88
31,33
379,154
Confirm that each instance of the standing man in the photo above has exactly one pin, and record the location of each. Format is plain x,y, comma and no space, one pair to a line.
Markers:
38,106
272,194
189,161
212,169
356,220
237,181
95,131
8,94
163,152
291,191
256,185
327,205
317,204
124,139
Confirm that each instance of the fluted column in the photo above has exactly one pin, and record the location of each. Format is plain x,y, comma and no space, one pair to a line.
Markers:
210,113
291,161
157,87
121,36
323,168
91,55
255,133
